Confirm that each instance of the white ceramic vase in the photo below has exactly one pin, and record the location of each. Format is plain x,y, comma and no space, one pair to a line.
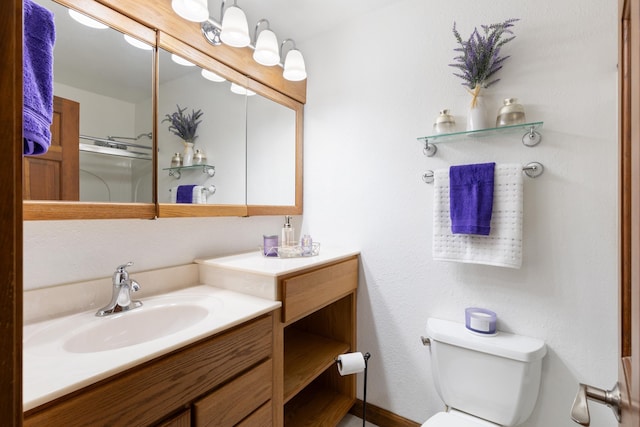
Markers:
477,117
187,154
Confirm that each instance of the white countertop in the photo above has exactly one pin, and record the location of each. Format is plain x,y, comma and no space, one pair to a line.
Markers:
255,262
50,371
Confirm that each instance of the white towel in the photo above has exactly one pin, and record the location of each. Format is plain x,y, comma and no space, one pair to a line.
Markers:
198,195
503,246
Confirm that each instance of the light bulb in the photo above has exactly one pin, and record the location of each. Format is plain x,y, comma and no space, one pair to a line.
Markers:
191,10
235,30
85,20
180,60
267,52
294,68
137,43
210,75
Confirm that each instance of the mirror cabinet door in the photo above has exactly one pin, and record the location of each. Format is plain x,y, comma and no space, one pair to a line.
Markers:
102,145
194,101
271,153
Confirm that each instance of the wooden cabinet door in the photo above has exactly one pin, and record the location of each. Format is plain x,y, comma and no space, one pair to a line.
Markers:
55,174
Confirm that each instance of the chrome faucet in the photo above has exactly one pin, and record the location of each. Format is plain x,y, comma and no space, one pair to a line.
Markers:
121,297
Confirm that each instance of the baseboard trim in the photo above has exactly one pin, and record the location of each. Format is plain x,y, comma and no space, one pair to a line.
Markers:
381,417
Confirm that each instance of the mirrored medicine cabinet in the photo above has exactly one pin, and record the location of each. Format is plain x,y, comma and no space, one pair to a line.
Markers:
111,99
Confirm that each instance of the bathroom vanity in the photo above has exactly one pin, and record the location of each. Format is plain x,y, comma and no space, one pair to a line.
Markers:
316,323
261,354
201,382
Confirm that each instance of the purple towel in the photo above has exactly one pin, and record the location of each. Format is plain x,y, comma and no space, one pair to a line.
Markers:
185,194
471,198
37,70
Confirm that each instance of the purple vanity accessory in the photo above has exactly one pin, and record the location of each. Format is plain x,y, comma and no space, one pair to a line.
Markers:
480,320
270,245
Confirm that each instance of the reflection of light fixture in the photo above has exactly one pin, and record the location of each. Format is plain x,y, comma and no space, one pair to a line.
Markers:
85,20
137,43
236,88
191,10
235,30
180,60
266,45
294,68
210,75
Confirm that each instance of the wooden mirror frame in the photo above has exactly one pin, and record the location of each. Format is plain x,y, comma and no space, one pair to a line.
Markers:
137,17
55,210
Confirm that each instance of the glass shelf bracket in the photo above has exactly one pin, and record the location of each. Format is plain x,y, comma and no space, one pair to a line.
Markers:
176,172
531,137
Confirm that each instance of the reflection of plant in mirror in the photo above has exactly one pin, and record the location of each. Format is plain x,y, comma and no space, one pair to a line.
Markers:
184,125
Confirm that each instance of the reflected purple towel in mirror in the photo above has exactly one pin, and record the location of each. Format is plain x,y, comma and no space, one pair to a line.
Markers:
37,70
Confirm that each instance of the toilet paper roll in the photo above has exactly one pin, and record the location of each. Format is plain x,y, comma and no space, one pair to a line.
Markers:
350,363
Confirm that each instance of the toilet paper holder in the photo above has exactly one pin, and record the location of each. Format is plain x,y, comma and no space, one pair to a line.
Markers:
366,357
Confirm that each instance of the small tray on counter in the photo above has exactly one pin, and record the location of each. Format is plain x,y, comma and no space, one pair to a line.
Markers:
291,251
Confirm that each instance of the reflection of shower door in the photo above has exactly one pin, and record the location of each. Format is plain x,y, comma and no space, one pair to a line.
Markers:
54,175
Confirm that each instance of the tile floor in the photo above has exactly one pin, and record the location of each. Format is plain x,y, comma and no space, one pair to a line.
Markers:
353,421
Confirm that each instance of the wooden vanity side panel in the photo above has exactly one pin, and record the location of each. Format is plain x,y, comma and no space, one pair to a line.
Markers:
303,294
145,394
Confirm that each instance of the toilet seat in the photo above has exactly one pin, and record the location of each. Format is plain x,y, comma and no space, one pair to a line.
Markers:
455,418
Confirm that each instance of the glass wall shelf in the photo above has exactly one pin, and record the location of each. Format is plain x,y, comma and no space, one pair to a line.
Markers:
530,138
176,172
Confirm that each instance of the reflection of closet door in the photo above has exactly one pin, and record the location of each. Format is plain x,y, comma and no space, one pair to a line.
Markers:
54,175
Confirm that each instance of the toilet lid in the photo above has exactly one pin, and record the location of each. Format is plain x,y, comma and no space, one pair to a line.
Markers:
456,419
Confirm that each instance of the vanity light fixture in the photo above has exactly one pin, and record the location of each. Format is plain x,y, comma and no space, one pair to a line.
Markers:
210,75
180,60
294,68
85,20
236,88
235,30
191,10
137,43
266,45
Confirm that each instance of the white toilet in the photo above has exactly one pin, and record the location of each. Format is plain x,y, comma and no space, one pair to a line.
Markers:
484,380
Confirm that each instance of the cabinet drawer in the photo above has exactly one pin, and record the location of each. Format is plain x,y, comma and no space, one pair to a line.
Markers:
305,293
262,417
231,403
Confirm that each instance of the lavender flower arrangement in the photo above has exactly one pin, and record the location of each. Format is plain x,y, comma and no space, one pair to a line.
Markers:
479,57
184,125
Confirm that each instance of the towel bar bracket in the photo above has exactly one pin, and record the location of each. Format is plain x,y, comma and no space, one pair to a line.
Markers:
533,169
531,138
427,177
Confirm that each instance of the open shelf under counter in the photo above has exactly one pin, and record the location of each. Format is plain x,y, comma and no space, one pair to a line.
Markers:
317,403
306,356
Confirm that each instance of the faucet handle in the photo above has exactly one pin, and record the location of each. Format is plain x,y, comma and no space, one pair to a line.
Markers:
121,274
123,267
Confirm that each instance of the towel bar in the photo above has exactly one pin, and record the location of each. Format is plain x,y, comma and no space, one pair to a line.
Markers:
211,189
532,170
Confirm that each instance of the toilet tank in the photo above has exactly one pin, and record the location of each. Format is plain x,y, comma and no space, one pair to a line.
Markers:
496,378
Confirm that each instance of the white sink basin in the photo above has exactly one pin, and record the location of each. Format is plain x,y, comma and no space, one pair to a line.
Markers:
135,327
159,317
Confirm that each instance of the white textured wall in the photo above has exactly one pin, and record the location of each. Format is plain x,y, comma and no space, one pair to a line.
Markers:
374,87
377,84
